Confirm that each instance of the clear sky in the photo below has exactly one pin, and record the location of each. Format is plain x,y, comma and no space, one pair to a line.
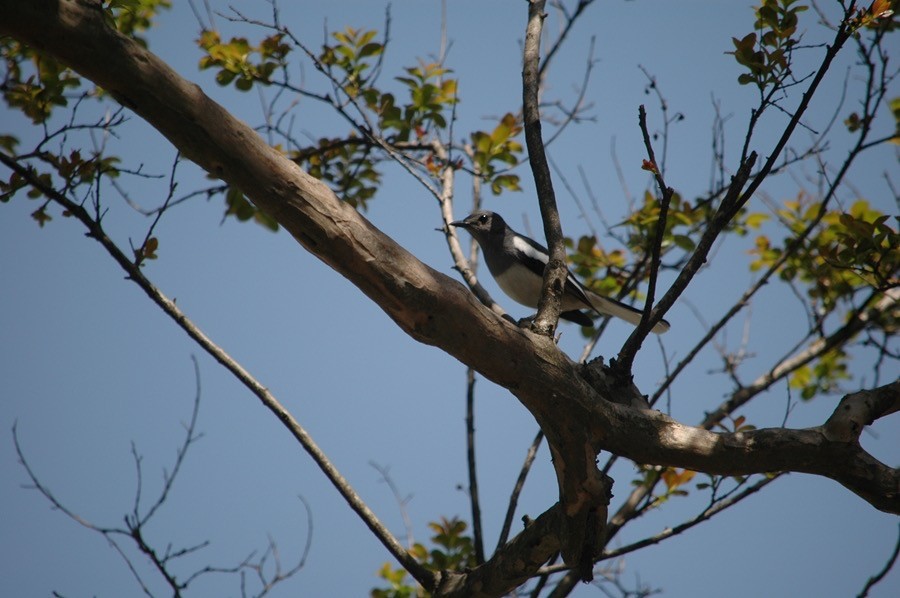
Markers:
89,365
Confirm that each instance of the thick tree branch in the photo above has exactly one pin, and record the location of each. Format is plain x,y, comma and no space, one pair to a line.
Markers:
430,306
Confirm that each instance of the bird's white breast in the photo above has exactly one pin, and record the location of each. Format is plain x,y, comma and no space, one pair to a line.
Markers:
520,285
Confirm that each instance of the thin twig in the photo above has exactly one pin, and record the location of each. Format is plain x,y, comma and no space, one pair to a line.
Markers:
470,460
517,489
648,318
870,583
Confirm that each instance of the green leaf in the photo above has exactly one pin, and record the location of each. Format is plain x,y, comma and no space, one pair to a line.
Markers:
756,219
371,49
684,242
41,216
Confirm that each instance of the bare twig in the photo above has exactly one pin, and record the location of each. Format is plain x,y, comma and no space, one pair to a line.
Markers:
671,532
470,460
401,500
648,318
517,489
891,560
136,522
570,20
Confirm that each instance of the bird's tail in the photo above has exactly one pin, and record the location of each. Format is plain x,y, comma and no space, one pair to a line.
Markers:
617,309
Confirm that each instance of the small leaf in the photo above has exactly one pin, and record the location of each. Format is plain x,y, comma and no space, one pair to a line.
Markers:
756,219
41,216
685,242
148,251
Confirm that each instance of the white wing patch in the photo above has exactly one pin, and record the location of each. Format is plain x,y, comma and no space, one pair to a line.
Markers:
523,246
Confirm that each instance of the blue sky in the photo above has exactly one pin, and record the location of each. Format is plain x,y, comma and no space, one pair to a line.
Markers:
89,365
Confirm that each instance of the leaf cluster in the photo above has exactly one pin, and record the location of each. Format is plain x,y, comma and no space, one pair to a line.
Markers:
404,122
347,165
239,206
352,56
765,53
685,222
241,63
72,170
821,377
131,17
496,150
453,551
881,15
35,83
847,252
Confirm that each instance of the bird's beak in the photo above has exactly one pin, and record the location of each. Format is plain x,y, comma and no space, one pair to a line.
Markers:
460,223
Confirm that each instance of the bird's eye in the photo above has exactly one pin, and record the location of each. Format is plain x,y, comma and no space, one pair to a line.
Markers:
483,218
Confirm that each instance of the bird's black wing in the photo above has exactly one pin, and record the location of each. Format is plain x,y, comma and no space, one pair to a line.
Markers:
579,317
535,256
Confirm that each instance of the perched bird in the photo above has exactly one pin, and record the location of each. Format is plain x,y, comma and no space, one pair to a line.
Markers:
517,264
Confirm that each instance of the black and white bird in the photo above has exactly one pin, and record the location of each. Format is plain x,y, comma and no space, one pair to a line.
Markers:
517,264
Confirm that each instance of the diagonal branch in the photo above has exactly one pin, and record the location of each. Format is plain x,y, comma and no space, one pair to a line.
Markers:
650,317
855,323
892,559
517,489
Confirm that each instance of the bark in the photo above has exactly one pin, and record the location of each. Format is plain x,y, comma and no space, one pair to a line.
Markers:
435,309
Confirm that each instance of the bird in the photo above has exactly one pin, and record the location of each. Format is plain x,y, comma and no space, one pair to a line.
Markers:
517,264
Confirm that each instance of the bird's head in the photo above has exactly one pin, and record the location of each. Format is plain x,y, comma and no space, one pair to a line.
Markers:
483,225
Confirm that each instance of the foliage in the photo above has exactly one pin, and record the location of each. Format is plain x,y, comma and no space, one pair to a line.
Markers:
453,551
235,62
36,83
350,164
848,252
822,377
491,151
131,17
352,56
241,208
766,53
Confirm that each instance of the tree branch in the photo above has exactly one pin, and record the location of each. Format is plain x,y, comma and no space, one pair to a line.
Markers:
892,559
517,489
650,317
478,536
583,490
555,273
433,308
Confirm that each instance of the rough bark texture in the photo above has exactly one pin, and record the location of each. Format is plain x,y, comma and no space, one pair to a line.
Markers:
435,309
